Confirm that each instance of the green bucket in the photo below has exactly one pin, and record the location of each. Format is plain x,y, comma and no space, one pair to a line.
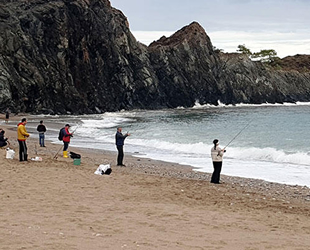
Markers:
77,161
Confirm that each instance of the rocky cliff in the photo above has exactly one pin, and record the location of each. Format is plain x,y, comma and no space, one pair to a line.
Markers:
79,56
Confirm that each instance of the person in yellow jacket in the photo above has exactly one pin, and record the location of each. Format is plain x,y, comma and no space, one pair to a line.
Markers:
22,136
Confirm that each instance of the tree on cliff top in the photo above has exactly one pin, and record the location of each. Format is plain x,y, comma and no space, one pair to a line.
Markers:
266,55
244,50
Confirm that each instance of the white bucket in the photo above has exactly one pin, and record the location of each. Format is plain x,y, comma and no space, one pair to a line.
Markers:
10,153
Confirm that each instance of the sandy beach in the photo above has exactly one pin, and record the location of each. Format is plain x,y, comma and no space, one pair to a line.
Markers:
54,204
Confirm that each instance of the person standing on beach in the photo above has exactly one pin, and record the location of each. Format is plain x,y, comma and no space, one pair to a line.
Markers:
119,141
7,115
41,129
217,159
22,136
66,139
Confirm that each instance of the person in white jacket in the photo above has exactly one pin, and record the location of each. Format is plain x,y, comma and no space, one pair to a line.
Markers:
217,159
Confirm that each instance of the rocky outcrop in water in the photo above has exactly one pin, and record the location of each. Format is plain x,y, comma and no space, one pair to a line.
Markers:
79,56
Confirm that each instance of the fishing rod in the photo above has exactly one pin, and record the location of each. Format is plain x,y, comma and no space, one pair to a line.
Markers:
238,133
79,124
56,155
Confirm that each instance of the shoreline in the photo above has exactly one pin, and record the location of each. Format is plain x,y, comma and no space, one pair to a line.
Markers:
53,125
175,167
148,204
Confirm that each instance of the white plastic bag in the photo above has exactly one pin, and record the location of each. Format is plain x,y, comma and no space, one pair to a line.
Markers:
37,158
103,169
10,153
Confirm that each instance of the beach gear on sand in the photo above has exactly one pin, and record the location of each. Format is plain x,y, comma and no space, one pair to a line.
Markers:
103,169
77,161
74,155
76,158
10,153
37,158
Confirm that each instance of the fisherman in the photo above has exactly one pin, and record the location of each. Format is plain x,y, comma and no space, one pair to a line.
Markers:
22,136
119,141
7,115
66,139
41,129
217,159
3,140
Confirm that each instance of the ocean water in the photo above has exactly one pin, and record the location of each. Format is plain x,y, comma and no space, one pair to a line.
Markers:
269,142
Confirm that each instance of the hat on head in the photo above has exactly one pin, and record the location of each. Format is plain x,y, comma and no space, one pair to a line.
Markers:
215,141
67,125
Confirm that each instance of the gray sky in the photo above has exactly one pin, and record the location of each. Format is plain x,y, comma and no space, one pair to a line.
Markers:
283,25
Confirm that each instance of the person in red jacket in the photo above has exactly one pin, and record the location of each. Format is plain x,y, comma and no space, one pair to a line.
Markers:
66,140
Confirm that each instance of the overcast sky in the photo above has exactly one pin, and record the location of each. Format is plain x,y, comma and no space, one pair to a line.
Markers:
282,25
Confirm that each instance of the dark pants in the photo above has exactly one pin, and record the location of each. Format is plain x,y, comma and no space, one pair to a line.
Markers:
217,171
22,151
66,145
41,139
120,155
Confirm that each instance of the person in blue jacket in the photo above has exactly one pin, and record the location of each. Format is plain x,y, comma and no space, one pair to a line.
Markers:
119,141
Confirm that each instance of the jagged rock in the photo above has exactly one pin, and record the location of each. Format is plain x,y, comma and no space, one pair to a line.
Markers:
79,56
186,67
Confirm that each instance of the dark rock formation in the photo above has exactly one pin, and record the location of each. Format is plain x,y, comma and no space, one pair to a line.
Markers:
186,67
79,56
76,56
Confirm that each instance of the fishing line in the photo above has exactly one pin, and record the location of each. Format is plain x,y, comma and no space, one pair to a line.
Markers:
248,124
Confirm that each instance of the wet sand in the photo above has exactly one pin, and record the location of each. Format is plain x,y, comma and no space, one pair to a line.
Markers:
148,204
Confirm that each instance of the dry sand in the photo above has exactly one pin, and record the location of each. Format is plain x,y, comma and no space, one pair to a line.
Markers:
148,204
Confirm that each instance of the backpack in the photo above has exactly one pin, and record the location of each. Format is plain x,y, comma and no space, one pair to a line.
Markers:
61,134
74,155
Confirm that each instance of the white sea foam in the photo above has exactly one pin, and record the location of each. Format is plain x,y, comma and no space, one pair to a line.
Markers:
197,105
201,150
269,155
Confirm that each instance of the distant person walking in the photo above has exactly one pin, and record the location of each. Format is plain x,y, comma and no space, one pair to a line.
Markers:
22,136
217,159
119,141
66,139
3,141
41,129
7,115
